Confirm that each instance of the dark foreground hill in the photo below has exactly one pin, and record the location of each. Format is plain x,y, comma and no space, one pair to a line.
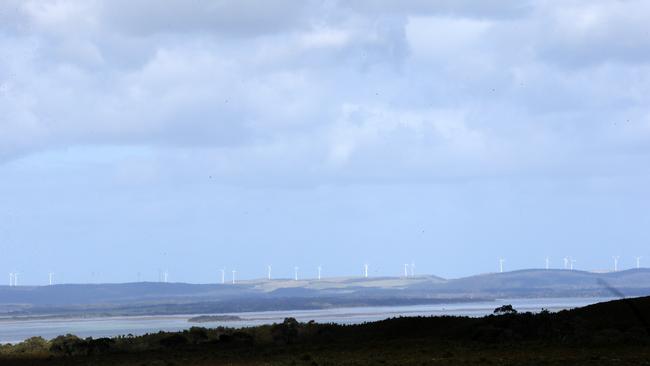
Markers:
612,333
182,298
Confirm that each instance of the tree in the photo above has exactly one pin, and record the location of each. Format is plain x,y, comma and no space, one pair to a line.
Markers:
286,332
504,310
67,345
32,345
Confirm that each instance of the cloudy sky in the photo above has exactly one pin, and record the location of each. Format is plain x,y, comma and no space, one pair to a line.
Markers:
235,134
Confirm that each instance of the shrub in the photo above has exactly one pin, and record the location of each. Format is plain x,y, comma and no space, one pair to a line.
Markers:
173,341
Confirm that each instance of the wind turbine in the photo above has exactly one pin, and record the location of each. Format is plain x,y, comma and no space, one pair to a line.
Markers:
319,269
295,273
50,277
15,279
546,262
412,268
566,262
572,261
638,262
615,263
223,276
233,276
365,270
11,279
268,272
501,260
406,269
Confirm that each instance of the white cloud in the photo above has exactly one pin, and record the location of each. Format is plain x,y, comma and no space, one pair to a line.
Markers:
441,86
325,38
580,34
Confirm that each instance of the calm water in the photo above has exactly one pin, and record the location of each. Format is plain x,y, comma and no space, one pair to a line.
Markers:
12,331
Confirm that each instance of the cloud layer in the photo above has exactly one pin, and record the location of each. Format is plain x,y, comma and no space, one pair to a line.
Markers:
445,87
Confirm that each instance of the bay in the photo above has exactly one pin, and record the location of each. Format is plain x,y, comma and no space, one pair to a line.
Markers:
13,331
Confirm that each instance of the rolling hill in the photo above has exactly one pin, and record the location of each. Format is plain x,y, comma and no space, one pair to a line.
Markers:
169,298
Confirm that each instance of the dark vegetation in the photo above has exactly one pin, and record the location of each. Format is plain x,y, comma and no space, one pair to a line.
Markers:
615,332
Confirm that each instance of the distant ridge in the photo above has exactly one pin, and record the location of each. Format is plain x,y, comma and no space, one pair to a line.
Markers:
330,292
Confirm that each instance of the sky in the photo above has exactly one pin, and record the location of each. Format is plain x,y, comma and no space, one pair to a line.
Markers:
207,135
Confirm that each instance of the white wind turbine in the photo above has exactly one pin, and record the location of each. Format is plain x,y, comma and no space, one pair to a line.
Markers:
233,276
11,279
615,263
295,273
406,269
268,274
566,262
412,268
319,270
572,262
223,276
365,270
546,262
501,260
50,277
638,262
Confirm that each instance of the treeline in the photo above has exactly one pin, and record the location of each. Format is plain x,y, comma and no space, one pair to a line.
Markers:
618,322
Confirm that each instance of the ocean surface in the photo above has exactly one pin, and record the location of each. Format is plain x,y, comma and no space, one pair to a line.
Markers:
13,331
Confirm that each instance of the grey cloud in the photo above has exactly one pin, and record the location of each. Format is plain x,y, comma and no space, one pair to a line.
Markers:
226,17
498,9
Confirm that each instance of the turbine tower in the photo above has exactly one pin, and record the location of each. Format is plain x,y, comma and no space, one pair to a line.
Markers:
11,279
412,268
615,263
268,275
295,273
319,270
406,269
566,262
365,270
50,277
501,260
638,262
546,262
572,262
223,276
233,276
